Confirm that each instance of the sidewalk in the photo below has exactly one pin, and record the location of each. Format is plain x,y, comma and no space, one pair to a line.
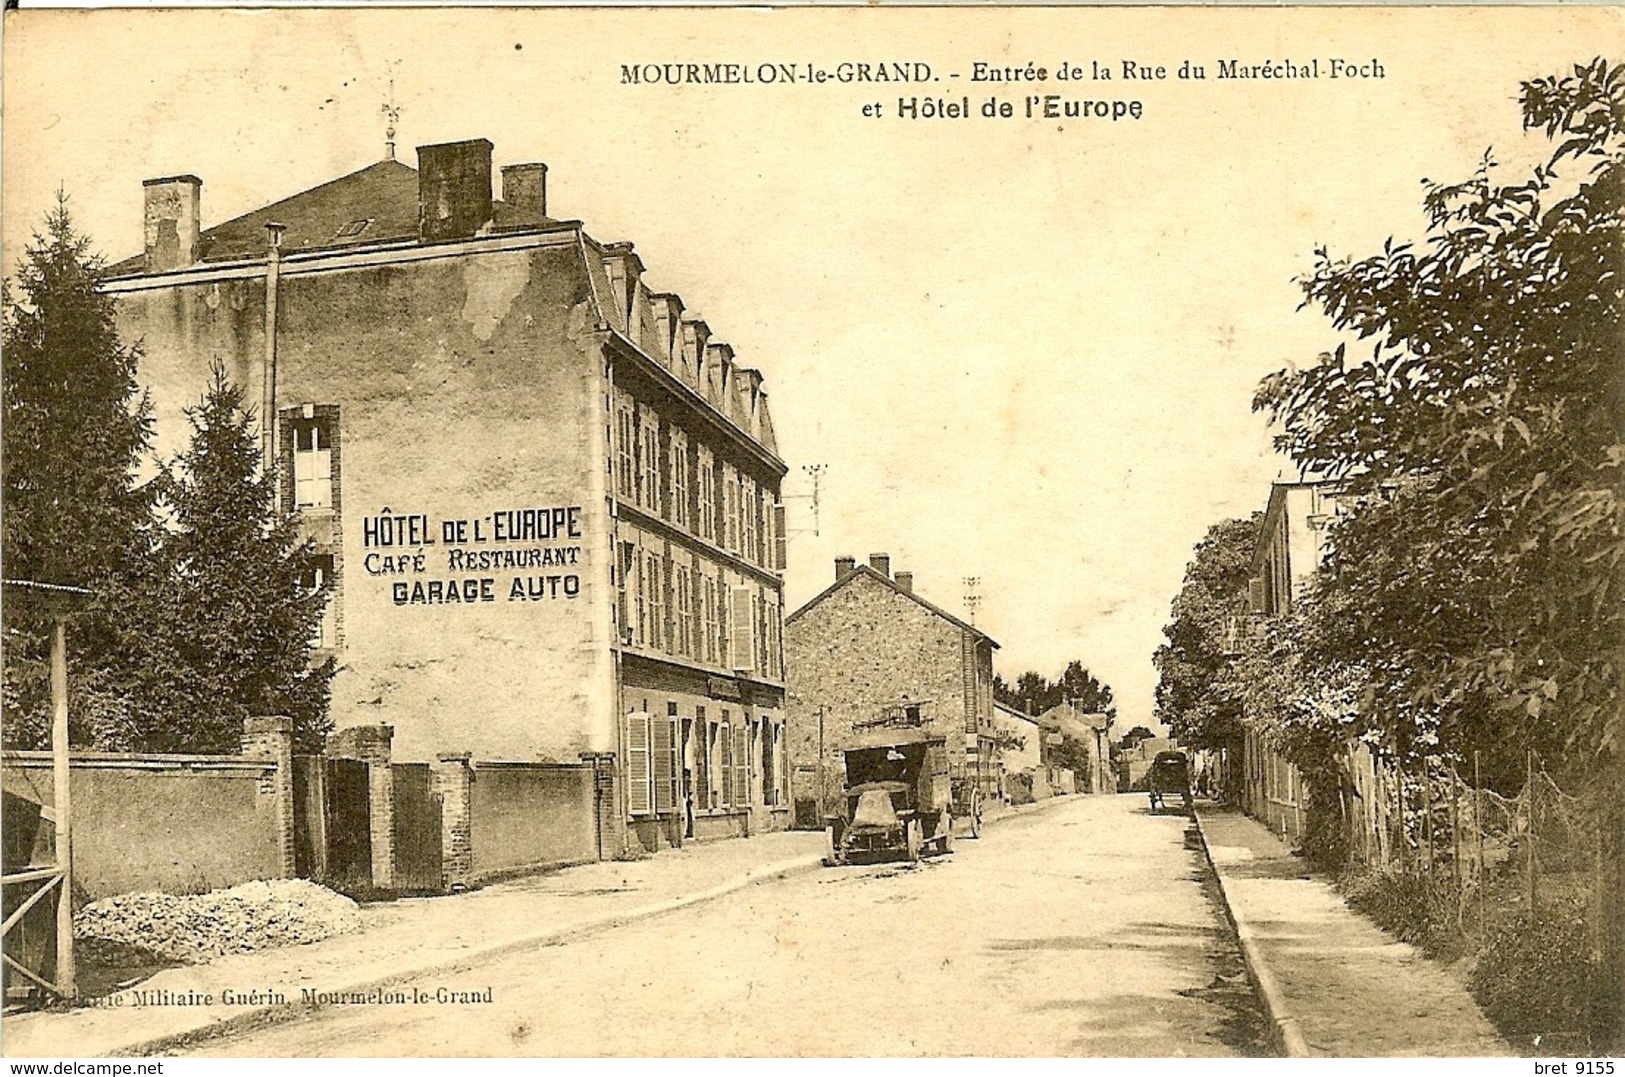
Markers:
422,941
1333,983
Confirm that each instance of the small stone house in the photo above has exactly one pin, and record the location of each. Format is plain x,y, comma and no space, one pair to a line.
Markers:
870,645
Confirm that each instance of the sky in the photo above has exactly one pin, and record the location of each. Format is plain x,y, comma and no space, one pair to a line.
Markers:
1023,351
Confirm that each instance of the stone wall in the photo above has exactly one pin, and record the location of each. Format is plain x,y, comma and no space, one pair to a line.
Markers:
179,824
862,648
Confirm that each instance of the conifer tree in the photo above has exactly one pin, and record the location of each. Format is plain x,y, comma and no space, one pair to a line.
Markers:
235,640
75,430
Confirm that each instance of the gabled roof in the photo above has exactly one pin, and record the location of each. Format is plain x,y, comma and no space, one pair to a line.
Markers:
1015,713
1067,719
372,205
865,570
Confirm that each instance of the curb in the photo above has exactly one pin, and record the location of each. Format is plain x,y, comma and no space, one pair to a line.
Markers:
1288,1033
269,1015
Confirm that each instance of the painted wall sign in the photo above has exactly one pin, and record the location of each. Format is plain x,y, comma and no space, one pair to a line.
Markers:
425,559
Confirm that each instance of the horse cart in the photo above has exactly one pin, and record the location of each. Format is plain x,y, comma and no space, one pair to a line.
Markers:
1169,777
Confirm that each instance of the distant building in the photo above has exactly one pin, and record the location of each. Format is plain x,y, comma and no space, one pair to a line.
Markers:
869,646
1134,763
1073,747
543,497
1291,544
1020,754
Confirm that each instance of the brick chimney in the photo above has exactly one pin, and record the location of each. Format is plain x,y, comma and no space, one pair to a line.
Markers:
881,563
171,222
524,188
905,581
454,189
844,567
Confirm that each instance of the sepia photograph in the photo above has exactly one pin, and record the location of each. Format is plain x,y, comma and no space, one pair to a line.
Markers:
813,532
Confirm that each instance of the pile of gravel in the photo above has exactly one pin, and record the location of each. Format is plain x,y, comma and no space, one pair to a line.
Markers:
196,927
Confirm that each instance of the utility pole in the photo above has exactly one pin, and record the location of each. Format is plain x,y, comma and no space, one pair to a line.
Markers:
973,597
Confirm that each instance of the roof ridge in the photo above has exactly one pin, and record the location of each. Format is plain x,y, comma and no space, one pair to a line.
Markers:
865,570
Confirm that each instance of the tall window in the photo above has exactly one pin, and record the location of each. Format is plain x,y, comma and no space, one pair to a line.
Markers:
626,568
649,453
640,582
313,462
773,669
702,760
707,649
677,483
747,519
730,508
723,615
656,584
683,614
770,785
706,501
743,735
725,761
626,436
320,579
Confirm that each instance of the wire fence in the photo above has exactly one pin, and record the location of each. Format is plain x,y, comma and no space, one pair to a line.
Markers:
1429,818
1513,879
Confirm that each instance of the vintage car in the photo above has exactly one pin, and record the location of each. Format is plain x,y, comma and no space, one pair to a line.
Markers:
897,798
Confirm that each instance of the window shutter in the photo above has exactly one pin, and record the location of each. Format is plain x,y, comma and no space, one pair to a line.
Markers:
725,773
702,763
660,764
741,765
742,634
637,764
781,542
674,759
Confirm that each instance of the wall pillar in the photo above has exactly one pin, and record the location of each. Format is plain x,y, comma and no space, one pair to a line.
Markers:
271,738
371,745
607,804
454,780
